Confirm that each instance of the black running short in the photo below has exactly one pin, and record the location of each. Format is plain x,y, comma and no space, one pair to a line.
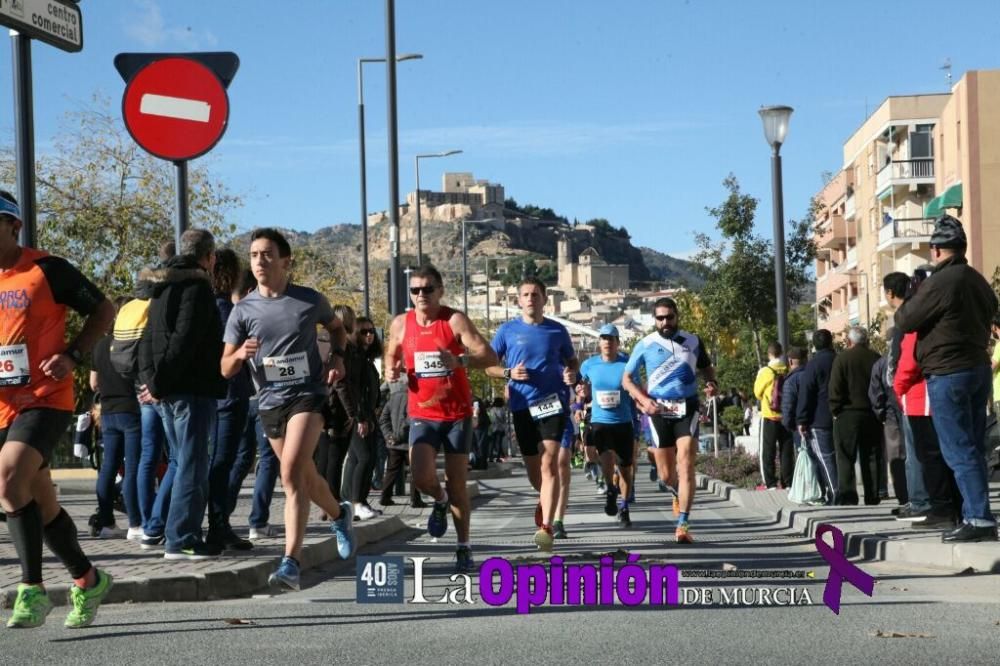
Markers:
531,433
274,421
617,437
40,428
666,432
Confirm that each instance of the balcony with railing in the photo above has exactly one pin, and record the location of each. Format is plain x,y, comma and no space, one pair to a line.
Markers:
854,310
905,172
850,206
905,231
832,232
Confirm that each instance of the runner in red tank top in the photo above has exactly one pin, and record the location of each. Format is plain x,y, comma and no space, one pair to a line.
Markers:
436,344
436,393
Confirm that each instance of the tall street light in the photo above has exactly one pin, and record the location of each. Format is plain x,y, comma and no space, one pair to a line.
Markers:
364,185
775,128
416,166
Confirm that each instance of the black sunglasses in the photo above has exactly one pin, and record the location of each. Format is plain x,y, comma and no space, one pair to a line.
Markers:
609,338
666,317
426,291
366,331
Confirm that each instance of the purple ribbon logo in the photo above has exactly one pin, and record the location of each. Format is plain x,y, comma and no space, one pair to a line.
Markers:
840,568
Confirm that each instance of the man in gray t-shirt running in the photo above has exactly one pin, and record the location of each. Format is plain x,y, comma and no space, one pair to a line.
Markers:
273,329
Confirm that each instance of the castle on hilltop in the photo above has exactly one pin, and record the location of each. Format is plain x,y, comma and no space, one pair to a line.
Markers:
590,272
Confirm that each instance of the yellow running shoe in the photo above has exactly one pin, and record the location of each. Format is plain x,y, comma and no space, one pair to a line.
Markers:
682,534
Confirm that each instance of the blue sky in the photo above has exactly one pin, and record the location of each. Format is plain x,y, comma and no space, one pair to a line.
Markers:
632,111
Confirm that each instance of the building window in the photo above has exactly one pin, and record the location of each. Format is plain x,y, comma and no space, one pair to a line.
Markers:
922,142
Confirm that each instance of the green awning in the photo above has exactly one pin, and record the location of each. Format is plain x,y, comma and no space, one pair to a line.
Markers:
952,198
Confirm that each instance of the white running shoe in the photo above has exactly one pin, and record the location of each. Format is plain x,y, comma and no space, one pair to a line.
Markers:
135,534
601,489
363,512
265,532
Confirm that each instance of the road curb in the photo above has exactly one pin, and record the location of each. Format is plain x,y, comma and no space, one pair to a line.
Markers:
243,578
984,557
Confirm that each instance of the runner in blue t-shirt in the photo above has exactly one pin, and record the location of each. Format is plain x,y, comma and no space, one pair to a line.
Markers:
539,363
611,420
671,358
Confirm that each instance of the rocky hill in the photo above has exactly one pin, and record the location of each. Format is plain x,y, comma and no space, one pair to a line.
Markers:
496,239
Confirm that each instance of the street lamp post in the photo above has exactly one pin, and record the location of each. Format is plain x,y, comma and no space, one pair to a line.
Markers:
416,168
775,120
364,185
465,271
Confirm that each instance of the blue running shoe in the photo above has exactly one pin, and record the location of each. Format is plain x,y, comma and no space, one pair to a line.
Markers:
287,574
343,529
437,522
463,560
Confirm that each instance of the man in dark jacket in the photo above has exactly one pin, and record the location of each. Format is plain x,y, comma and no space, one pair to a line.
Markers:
179,355
855,431
812,411
395,426
887,411
790,392
951,314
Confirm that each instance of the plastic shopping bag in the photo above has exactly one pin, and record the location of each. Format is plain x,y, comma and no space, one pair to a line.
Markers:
806,488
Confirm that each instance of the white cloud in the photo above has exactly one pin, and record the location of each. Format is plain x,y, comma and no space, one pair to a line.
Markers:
147,26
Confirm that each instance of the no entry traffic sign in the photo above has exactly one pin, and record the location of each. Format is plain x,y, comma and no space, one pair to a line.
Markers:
176,108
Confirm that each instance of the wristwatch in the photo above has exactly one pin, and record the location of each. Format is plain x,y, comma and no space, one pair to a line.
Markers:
336,351
506,373
463,360
74,354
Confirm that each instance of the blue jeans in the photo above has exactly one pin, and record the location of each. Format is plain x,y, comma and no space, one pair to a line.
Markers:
821,444
153,519
189,422
157,522
122,438
230,423
958,405
268,469
919,500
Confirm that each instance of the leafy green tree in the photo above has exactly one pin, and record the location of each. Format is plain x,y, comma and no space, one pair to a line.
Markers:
738,294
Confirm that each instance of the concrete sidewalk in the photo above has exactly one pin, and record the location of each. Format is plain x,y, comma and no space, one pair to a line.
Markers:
870,532
144,576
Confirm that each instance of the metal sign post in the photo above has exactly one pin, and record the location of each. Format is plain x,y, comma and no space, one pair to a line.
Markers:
59,24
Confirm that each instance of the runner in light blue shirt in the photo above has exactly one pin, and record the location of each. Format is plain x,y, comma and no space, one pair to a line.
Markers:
671,358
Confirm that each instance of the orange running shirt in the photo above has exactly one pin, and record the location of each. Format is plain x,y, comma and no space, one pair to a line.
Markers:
34,295
436,394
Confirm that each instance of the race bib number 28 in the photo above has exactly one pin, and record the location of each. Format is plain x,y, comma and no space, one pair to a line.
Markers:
15,369
288,369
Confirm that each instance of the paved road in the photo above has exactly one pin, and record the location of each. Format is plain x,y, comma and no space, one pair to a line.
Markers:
936,613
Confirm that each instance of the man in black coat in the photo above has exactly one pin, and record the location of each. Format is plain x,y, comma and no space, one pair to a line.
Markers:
856,432
951,314
179,355
812,411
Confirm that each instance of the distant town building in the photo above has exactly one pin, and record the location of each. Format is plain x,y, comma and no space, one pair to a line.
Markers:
590,272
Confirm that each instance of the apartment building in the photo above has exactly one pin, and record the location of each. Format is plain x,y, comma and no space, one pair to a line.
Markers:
914,158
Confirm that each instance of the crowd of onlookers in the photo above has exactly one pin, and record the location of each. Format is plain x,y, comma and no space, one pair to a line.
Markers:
916,415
